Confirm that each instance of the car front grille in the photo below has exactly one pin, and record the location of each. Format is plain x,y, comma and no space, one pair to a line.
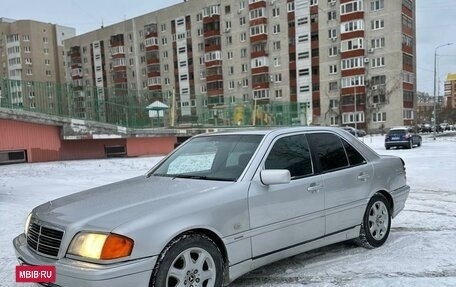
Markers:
44,240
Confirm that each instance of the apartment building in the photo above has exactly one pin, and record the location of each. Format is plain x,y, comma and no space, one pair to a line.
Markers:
32,52
450,91
340,61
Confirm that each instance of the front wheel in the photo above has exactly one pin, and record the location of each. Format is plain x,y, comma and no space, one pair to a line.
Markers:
191,260
376,223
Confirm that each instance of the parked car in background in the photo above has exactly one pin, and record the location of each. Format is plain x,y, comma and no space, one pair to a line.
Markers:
402,137
219,206
355,132
425,128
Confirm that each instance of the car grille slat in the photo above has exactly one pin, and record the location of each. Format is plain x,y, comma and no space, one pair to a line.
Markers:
44,240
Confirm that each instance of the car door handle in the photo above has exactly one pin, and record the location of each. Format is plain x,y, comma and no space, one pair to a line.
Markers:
315,187
363,176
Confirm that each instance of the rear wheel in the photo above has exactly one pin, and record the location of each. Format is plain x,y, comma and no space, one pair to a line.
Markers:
376,223
410,144
191,260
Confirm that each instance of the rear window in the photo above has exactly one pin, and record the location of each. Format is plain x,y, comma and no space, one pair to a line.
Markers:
397,132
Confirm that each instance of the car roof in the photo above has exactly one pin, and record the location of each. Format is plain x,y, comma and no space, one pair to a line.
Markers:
265,131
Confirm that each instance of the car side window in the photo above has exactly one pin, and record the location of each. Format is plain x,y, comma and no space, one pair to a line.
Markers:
292,153
328,151
354,157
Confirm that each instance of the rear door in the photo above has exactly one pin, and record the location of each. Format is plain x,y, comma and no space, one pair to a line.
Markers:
347,179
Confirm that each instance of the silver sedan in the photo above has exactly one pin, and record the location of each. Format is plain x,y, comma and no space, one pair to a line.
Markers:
217,207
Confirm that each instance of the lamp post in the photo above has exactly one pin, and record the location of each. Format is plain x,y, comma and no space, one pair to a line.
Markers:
435,79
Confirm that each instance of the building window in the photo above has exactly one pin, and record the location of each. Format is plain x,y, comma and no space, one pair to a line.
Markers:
276,29
377,24
332,33
353,44
303,72
357,25
332,15
407,22
303,55
276,45
352,63
377,5
231,85
290,6
407,40
303,21
257,13
244,68
379,117
408,114
332,69
333,103
278,94
378,43
349,118
333,86
303,38
241,4
278,78
378,62
354,81
47,62
333,51
277,61
275,12
243,37
351,7
303,89
257,30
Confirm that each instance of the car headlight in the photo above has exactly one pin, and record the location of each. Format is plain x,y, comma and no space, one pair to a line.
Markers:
27,224
100,246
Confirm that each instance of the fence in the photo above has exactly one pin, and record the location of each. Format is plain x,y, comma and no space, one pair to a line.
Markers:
136,109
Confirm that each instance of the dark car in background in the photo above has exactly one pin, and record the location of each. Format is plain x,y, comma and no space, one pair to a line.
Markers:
355,132
402,137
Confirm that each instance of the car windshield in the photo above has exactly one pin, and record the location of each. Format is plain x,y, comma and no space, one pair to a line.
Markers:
216,157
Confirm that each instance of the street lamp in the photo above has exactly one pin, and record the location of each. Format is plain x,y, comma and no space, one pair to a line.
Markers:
435,79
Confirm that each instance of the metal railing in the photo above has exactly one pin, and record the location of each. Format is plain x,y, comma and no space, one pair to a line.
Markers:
129,108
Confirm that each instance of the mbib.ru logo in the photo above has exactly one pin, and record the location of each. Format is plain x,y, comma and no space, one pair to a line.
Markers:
34,274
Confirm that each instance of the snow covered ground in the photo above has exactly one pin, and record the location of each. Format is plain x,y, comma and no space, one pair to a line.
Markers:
420,252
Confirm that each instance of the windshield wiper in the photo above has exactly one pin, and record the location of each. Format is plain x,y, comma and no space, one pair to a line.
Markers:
202,177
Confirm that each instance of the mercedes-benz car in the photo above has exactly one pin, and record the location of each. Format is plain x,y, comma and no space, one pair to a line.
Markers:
217,207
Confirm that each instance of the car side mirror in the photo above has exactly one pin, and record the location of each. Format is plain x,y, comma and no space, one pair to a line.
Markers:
275,176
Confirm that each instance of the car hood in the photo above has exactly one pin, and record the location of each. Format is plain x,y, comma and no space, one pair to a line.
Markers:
106,207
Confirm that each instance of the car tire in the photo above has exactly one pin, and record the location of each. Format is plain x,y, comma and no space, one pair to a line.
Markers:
387,147
189,260
376,223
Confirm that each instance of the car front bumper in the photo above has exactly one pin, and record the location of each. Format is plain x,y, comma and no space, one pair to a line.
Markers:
75,273
399,197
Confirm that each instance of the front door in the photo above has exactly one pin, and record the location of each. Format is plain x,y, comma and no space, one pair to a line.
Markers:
285,215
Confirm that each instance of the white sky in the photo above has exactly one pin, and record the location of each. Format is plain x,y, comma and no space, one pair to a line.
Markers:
436,24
